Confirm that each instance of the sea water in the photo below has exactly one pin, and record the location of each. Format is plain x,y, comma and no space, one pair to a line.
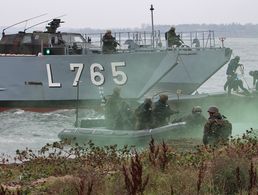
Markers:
21,129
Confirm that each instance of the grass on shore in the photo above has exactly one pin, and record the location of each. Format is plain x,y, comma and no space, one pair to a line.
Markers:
229,168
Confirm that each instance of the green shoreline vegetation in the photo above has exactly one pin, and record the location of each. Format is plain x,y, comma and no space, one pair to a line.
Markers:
163,168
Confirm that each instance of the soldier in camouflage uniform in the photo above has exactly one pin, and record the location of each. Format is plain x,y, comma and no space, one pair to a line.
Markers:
194,119
254,74
173,38
112,109
109,43
217,128
143,114
162,111
233,65
233,82
231,70
118,114
124,120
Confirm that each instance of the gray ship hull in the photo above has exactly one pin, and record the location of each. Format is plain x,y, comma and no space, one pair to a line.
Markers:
51,77
68,78
53,68
194,68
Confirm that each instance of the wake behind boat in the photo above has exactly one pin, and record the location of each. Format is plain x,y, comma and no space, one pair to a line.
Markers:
56,69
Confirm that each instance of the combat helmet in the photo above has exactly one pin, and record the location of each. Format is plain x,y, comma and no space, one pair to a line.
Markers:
213,109
147,101
117,90
172,28
196,109
237,58
163,98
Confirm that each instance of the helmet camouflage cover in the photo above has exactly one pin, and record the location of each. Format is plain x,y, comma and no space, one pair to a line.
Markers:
163,98
196,109
213,109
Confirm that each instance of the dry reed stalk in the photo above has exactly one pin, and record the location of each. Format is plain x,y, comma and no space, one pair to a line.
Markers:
239,183
252,178
202,170
153,152
133,176
163,158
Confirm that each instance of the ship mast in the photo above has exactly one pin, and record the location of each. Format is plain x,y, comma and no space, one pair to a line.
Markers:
152,25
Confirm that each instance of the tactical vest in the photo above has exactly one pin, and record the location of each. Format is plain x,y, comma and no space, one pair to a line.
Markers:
221,128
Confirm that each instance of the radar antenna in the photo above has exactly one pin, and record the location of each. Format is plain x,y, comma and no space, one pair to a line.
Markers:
54,24
3,33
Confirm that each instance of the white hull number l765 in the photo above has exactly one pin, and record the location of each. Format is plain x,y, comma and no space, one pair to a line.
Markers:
96,76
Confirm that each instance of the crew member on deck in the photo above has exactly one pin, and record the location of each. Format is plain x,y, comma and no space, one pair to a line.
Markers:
109,43
172,38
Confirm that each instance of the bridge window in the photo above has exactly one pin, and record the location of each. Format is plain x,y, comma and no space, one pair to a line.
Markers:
26,39
71,38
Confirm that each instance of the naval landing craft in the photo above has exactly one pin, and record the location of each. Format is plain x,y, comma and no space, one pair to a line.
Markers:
57,69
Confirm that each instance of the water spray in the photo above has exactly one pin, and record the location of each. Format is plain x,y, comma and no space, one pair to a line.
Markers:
101,93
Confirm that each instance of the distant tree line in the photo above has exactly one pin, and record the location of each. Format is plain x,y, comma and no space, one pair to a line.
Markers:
221,30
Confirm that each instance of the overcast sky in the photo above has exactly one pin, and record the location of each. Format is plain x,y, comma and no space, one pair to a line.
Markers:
130,13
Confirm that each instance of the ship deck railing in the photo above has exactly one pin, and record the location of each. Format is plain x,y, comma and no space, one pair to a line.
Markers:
144,39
